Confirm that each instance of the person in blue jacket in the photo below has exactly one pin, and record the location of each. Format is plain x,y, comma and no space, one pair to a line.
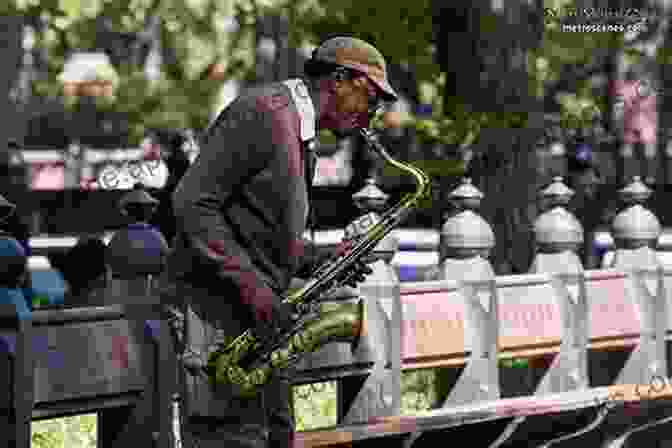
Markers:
13,264
13,272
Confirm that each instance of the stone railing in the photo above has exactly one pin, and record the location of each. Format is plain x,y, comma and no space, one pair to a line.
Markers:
560,318
579,331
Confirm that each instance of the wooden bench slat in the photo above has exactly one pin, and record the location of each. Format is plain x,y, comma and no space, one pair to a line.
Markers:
474,413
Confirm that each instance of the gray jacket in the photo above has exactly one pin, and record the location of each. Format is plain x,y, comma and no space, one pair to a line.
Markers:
241,208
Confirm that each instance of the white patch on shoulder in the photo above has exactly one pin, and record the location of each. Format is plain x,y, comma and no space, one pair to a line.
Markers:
304,104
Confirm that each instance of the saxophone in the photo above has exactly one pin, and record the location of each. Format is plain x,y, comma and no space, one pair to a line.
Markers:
248,362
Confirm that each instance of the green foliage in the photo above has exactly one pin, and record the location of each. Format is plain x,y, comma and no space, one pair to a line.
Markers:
190,30
70,432
168,104
578,110
418,392
315,406
462,128
410,41
193,31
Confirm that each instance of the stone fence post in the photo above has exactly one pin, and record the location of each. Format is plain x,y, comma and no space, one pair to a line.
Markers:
376,393
466,242
380,394
635,231
558,236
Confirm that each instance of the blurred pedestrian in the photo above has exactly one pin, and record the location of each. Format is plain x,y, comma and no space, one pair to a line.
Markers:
15,226
593,180
13,274
170,149
11,226
636,117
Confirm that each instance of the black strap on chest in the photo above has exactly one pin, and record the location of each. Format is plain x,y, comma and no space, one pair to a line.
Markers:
310,164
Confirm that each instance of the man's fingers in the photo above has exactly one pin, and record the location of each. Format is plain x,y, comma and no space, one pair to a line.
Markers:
263,329
264,315
369,259
364,270
362,265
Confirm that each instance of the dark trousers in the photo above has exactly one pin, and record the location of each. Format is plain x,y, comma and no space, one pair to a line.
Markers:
266,426
211,416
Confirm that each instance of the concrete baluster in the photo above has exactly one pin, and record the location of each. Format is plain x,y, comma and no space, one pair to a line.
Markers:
558,237
380,394
136,258
635,231
136,253
664,252
375,390
467,240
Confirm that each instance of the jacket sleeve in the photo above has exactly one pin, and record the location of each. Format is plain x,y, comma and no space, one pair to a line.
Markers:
238,145
312,257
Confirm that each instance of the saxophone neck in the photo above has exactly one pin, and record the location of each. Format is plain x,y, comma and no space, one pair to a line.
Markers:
422,179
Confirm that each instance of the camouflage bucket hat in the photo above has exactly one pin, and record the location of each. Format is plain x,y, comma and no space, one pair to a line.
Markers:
358,55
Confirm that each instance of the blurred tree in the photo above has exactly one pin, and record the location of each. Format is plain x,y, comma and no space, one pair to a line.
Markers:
517,67
428,36
481,65
11,52
182,38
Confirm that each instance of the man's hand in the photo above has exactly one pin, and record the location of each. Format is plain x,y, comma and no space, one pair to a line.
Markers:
269,311
357,273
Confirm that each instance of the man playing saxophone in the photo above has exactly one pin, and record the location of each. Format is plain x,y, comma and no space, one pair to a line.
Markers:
241,210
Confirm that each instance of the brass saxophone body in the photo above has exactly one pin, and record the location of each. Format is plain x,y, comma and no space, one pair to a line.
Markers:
248,362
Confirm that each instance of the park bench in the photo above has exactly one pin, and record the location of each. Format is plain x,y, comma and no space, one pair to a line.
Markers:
123,379
586,334
603,416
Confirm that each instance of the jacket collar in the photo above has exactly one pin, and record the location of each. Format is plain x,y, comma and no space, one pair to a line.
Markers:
305,104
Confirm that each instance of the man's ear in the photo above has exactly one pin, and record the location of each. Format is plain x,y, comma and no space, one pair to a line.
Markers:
334,85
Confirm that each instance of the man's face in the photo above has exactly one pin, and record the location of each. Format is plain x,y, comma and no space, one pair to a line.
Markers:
349,104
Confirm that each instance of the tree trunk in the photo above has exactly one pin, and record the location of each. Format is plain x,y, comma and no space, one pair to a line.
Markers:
491,45
11,52
665,107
